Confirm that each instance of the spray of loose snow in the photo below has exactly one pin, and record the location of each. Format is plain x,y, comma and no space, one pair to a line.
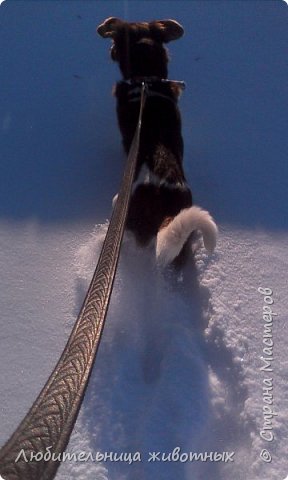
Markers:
176,366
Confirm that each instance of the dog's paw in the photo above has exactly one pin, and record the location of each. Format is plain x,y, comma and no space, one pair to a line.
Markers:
114,200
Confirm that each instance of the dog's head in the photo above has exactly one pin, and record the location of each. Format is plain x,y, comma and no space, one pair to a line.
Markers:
138,47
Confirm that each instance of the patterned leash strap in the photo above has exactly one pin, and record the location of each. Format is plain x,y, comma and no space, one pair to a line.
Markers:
40,440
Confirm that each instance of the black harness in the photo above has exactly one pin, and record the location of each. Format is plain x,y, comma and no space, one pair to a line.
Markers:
153,87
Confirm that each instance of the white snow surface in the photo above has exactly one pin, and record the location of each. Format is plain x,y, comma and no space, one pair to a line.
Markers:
179,363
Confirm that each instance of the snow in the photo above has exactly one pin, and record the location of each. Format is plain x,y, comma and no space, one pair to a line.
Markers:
180,360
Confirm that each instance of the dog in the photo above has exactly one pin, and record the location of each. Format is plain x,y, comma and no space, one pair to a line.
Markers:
161,202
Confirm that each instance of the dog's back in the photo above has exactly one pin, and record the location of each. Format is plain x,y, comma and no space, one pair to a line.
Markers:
161,143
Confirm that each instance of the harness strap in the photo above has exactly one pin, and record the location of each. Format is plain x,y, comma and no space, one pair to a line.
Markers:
134,95
150,82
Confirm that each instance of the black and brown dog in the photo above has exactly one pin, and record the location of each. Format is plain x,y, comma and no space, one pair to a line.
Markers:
161,201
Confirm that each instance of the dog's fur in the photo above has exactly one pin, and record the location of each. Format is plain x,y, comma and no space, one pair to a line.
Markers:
161,201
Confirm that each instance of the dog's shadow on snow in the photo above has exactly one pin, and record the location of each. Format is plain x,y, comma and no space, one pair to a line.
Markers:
150,390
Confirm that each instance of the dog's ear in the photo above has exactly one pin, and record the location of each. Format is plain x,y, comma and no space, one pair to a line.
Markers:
166,30
108,29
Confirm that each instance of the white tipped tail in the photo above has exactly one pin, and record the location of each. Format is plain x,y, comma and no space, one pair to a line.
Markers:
171,239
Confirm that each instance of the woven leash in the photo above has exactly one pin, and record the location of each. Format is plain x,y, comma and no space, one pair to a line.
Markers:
40,440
